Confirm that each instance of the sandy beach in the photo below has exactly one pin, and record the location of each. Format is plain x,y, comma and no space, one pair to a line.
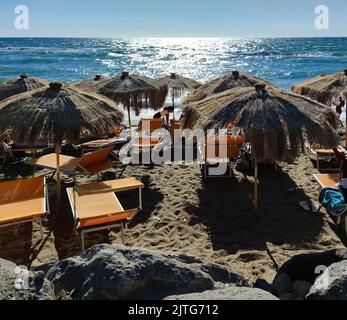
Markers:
214,220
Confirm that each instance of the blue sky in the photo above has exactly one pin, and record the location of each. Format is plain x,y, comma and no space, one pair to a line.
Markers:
173,18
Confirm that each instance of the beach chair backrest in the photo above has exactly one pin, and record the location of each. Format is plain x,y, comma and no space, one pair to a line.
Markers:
150,124
232,144
95,157
22,189
176,128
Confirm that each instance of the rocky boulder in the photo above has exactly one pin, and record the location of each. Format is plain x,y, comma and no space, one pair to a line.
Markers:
17,283
119,272
231,293
332,284
299,273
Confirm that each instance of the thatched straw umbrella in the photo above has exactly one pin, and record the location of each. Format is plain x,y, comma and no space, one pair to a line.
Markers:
277,124
20,85
231,80
178,85
90,84
55,114
325,89
132,91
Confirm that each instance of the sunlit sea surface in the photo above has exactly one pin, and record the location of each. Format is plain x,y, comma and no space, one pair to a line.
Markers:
281,61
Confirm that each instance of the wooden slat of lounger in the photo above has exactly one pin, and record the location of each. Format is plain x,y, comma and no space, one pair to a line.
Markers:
110,186
21,189
22,210
327,180
22,199
67,163
328,152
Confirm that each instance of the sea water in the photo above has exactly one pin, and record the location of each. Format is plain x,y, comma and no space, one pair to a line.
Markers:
282,61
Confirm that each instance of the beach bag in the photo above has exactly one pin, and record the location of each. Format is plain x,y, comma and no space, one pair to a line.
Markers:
333,201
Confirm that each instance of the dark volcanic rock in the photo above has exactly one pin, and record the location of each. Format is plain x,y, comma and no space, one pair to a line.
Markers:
18,284
332,284
118,272
231,293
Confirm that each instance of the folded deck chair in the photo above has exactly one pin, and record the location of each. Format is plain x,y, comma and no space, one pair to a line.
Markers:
89,164
23,201
220,149
96,207
324,155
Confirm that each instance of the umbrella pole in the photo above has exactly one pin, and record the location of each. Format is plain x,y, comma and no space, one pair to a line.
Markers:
256,182
129,119
173,102
57,153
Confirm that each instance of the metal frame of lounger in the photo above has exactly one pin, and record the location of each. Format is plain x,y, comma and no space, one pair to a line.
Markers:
123,224
210,161
320,157
46,212
333,186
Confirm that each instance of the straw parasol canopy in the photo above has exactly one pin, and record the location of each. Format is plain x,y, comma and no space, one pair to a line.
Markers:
134,91
91,83
277,124
325,89
20,85
231,80
178,85
57,113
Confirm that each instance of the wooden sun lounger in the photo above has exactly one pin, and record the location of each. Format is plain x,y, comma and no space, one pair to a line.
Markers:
89,164
23,200
96,207
212,155
325,154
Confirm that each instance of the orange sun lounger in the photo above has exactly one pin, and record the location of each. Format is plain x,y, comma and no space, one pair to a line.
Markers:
219,149
96,207
90,163
23,201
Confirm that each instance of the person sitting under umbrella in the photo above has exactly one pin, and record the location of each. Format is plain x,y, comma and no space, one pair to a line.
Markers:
164,115
340,104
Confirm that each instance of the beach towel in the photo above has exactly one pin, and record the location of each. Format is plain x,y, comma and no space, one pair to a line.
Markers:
333,200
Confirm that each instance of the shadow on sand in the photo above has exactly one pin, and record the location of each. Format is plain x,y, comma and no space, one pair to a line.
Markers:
226,208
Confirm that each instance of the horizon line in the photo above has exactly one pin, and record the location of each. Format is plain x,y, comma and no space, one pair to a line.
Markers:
171,37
